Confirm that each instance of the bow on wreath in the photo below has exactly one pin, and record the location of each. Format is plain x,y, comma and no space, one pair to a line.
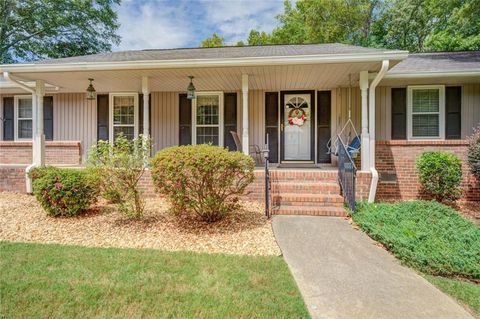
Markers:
297,116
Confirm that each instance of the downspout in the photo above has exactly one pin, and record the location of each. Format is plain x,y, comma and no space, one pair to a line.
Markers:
28,180
371,123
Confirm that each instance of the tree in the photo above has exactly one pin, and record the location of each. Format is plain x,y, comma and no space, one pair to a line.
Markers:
214,41
38,29
258,38
460,30
429,25
414,25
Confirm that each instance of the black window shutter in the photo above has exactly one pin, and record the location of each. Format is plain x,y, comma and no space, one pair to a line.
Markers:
140,114
271,124
8,119
48,117
399,113
185,118
102,117
324,110
453,112
230,120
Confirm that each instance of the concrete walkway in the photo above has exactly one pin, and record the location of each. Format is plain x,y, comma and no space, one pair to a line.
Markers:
341,273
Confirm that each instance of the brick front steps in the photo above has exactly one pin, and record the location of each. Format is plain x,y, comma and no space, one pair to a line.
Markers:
301,192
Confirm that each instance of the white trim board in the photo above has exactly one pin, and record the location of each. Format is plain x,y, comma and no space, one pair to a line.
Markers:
220,120
441,112
110,112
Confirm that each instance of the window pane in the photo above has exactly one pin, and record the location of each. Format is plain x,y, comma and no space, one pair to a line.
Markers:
24,108
127,131
123,110
207,135
425,125
207,109
425,100
24,128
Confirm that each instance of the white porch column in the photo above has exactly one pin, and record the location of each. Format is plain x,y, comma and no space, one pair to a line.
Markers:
37,125
245,140
365,136
146,106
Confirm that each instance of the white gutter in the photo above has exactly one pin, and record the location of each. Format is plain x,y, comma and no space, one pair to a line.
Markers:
189,63
17,83
28,180
433,74
371,123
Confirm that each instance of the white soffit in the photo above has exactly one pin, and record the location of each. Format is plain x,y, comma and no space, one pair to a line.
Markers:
279,77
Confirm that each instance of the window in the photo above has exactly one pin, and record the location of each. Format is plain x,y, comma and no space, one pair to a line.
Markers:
426,112
23,117
123,115
208,118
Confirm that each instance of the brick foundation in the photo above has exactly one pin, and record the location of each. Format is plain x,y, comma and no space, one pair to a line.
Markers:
395,162
12,178
56,152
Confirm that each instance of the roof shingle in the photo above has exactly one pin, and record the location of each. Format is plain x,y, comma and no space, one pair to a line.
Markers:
438,62
220,53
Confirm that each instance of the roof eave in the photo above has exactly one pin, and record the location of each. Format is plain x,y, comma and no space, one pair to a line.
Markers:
199,63
433,74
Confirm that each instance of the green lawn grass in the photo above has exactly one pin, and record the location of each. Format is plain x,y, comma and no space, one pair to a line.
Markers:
54,281
431,238
467,293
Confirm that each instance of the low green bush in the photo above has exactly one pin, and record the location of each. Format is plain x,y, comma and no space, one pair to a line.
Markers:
204,180
425,235
473,153
440,174
65,191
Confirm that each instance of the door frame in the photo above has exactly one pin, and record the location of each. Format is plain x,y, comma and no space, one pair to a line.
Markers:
312,126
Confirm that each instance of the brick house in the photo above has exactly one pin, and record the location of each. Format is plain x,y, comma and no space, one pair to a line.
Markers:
302,96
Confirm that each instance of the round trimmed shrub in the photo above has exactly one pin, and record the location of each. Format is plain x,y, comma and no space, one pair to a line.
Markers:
65,191
473,153
440,174
203,179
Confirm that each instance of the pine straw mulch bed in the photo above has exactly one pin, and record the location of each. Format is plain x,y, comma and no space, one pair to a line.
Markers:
246,232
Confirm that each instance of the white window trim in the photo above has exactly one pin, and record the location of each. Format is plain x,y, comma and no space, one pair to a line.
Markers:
220,120
441,110
110,110
16,98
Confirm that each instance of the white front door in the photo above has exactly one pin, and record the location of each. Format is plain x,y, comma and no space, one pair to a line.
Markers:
297,126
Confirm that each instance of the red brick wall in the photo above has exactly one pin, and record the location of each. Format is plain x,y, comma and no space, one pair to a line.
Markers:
395,162
12,179
363,185
56,152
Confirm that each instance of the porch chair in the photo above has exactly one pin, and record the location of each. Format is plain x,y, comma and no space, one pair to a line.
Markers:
254,150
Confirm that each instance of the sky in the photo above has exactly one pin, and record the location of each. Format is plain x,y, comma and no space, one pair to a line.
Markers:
162,24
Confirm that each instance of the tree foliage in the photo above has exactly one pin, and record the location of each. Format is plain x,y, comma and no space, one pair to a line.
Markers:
212,42
414,25
38,29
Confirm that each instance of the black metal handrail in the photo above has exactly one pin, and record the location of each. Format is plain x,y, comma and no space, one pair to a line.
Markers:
347,172
265,152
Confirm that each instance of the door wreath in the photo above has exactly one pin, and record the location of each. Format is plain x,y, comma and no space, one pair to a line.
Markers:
297,116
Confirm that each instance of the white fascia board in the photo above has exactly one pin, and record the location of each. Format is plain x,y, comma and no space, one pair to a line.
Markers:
198,63
433,74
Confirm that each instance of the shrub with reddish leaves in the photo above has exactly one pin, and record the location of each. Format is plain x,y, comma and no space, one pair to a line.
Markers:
204,180
65,191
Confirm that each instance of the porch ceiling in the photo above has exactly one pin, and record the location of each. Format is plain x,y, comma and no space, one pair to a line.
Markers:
278,77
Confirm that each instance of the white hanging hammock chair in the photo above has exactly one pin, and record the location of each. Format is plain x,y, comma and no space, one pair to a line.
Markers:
345,135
